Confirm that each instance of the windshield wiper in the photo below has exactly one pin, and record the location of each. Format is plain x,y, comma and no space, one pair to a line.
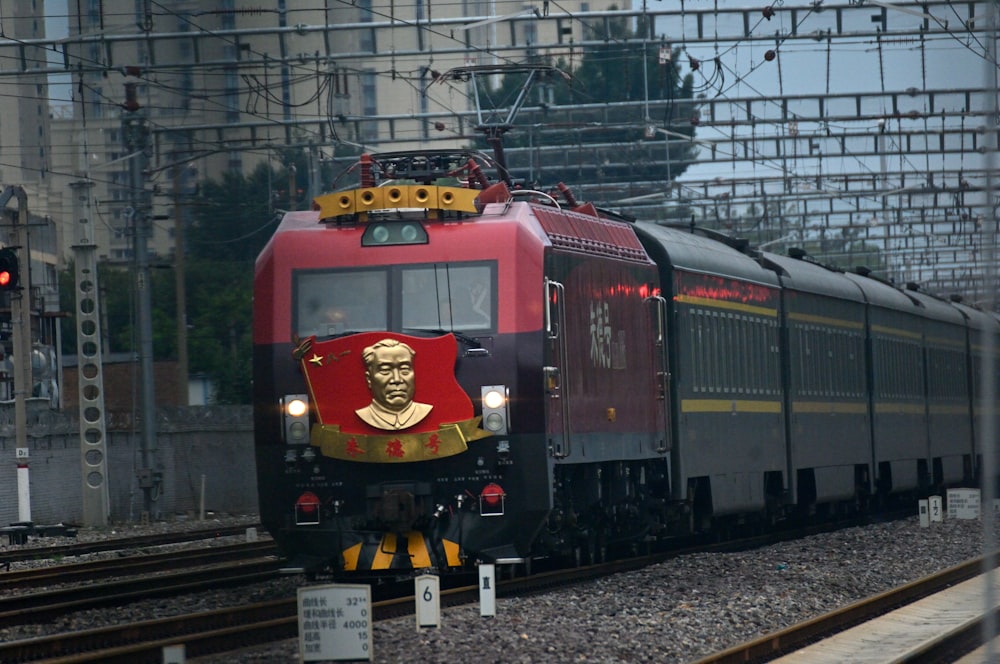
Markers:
461,336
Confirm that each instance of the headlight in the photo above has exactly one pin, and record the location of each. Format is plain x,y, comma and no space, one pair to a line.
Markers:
495,411
296,407
295,413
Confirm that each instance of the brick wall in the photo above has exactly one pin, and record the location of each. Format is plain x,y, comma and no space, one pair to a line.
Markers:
122,386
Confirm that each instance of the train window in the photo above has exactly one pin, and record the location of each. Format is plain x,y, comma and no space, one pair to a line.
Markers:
712,357
458,297
724,352
803,367
733,366
775,357
746,382
448,296
763,342
836,357
736,375
334,302
697,343
705,350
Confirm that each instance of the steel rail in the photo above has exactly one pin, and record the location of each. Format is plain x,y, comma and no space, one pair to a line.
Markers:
44,606
136,564
796,636
115,544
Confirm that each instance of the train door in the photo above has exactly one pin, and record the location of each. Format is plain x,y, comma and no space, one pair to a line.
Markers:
557,405
658,306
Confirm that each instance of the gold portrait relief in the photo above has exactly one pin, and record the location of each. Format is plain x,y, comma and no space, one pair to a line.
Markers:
390,376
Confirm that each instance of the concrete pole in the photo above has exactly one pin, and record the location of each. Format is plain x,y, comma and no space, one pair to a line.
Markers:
135,130
20,319
90,363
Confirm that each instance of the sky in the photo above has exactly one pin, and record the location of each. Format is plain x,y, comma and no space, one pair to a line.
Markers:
57,27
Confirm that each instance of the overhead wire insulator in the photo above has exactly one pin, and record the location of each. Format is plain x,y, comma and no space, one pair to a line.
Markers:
367,177
131,102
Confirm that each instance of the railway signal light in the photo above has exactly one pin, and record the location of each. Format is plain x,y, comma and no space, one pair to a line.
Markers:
10,275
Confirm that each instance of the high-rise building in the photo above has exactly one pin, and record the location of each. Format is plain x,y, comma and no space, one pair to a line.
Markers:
231,86
24,110
25,179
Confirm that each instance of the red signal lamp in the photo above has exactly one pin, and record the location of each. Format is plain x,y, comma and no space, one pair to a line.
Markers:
9,269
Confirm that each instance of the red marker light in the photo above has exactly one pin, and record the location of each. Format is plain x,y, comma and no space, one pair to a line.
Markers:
4,278
492,494
307,503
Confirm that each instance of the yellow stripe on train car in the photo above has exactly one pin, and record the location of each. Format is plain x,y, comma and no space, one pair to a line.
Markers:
729,406
726,304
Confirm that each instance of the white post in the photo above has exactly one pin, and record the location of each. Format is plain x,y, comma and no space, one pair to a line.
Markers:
23,486
487,590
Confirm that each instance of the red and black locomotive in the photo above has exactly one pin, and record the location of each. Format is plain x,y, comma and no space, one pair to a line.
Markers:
449,369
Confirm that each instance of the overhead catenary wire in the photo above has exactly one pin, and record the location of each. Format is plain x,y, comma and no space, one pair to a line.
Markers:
744,74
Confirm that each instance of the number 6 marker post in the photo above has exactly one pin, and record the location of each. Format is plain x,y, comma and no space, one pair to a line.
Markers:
428,601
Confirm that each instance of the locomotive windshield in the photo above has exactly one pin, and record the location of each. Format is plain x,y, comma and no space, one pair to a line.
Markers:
436,297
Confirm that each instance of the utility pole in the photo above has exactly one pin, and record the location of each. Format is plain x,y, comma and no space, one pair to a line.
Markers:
20,319
135,130
179,285
90,363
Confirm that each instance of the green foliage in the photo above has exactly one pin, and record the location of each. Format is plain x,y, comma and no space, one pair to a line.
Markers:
616,92
116,295
220,329
233,217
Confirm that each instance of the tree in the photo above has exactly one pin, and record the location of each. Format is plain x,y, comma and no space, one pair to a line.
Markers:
116,283
623,110
233,220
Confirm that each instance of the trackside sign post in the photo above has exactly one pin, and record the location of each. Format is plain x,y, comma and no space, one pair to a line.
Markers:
487,590
428,601
335,623
963,503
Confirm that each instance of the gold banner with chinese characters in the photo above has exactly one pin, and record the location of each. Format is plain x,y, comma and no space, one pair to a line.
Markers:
449,439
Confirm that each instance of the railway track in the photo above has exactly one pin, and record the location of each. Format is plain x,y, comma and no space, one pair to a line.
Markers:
143,584
940,648
132,565
206,633
209,632
117,544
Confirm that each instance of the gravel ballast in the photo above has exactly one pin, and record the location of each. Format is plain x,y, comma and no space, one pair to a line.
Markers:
677,611
680,610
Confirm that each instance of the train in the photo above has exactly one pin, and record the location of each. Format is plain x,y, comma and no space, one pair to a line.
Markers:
452,367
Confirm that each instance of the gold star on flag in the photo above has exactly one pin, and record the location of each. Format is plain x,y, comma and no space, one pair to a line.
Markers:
317,360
